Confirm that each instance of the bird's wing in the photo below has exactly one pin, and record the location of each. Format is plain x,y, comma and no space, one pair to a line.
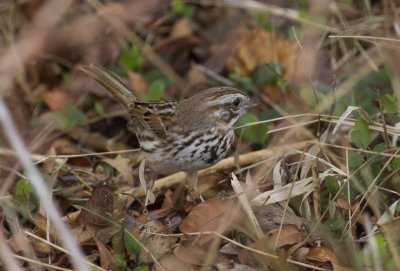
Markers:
159,117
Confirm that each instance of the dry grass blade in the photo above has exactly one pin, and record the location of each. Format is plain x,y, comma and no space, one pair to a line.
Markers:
38,183
304,186
246,206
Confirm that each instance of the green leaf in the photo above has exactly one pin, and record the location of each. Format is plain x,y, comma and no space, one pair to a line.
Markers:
131,58
332,185
335,224
25,195
179,7
308,94
361,135
98,107
254,134
244,82
107,169
381,147
154,75
131,243
388,104
69,117
396,162
119,262
355,160
23,191
142,268
266,74
156,91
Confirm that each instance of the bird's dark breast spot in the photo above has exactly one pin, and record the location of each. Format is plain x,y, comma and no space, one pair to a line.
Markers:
212,157
178,149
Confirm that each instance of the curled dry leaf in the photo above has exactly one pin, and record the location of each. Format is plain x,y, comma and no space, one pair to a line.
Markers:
322,255
326,255
106,258
214,215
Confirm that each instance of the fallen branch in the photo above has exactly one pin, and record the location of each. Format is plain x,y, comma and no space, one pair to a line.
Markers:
228,163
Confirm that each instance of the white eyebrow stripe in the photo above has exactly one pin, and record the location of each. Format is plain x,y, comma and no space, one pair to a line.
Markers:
223,99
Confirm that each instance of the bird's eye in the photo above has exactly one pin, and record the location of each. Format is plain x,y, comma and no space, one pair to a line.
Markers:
236,102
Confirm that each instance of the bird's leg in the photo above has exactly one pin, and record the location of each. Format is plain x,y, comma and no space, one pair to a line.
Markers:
150,197
192,181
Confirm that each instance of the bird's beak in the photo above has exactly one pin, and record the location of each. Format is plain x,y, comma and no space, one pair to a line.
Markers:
251,103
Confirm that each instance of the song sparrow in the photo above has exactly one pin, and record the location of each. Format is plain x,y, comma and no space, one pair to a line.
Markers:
179,136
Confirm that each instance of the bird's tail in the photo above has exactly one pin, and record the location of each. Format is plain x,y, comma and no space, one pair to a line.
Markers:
111,82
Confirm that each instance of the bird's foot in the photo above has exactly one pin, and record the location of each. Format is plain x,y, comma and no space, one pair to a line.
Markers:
195,194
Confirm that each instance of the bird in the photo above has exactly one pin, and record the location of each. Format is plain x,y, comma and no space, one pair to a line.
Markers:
188,135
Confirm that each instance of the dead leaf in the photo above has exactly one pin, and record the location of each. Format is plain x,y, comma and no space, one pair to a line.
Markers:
19,243
288,235
261,47
81,234
64,146
300,254
265,245
100,206
123,166
182,27
173,263
157,245
41,224
213,215
106,257
189,253
176,51
325,255
343,203
56,98
138,83
197,80
322,254
41,248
